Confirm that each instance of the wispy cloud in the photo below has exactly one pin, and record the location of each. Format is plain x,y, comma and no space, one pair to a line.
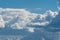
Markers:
38,8
58,6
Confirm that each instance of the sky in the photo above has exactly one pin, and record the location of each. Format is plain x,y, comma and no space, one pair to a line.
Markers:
31,19
37,6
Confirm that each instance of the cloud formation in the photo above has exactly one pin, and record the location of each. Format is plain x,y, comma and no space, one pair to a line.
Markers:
22,18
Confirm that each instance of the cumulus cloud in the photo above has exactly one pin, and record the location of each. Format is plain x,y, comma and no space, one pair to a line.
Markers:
21,18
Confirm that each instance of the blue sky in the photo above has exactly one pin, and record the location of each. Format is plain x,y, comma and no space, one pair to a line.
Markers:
27,24
38,6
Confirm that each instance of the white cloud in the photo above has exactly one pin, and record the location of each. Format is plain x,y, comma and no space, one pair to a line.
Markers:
53,14
41,24
17,26
30,29
20,18
2,23
43,19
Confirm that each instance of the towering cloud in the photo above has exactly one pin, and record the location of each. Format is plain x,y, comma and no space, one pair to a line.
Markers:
21,18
